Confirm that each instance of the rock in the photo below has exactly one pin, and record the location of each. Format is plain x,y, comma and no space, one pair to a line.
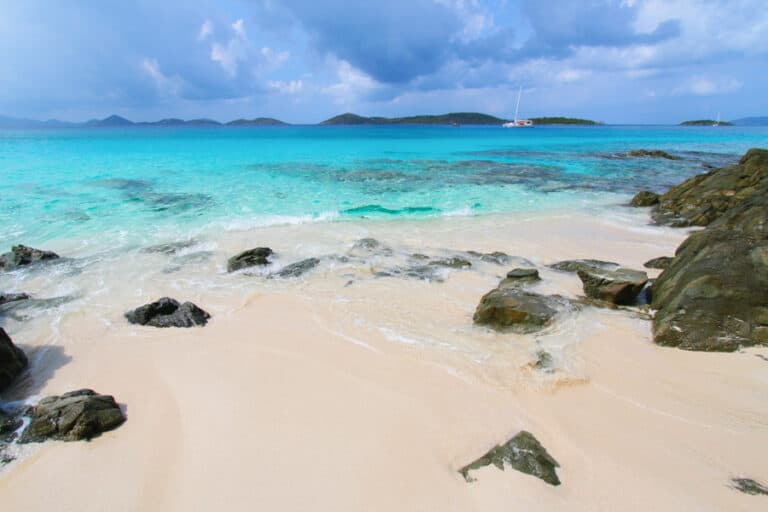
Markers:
72,416
22,255
661,262
249,258
167,312
367,246
421,272
620,286
650,153
516,310
523,453
645,198
13,361
706,197
520,277
497,257
169,248
714,294
452,262
295,269
12,297
576,265
544,362
749,486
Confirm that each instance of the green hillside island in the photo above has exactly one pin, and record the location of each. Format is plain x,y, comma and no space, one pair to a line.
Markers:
705,122
456,118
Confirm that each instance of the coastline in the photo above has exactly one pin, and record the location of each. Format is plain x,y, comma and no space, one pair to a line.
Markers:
311,394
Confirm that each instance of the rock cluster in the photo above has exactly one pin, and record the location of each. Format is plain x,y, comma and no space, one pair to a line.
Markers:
22,255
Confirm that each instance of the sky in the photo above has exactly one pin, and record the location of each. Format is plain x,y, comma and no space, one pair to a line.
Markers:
302,61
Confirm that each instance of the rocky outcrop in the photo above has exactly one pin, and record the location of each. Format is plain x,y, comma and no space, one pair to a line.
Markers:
167,312
645,198
649,153
5,298
22,255
13,361
523,453
295,269
515,310
576,265
706,197
72,416
661,262
714,294
620,286
252,257
519,277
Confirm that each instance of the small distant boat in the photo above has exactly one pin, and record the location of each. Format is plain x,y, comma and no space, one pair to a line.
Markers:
717,123
518,123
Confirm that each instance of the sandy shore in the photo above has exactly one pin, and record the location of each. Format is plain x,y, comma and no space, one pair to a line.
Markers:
312,395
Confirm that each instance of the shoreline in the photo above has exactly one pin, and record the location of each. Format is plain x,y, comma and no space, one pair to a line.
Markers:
311,394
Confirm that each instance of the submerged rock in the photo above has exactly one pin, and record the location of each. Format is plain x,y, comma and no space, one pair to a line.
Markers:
12,297
706,197
661,262
620,286
169,248
167,312
650,153
22,255
516,310
523,453
13,361
368,246
497,257
295,269
249,258
714,294
421,272
520,277
645,198
72,416
576,265
452,262
749,486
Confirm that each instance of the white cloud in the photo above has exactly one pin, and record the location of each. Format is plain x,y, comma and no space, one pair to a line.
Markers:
234,51
239,29
273,59
352,84
705,86
292,87
206,29
572,75
166,85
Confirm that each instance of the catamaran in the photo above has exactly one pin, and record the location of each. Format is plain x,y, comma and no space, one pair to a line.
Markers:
518,123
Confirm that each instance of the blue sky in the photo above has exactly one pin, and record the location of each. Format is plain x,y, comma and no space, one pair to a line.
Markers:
645,61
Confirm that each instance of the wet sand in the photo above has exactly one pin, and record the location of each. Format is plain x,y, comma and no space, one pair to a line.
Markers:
318,394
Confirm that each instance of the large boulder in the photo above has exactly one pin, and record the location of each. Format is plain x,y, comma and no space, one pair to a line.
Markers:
706,197
13,361
258,256
620,286
72,416
524,453
22,255
714,294
515,310
645,198
167,312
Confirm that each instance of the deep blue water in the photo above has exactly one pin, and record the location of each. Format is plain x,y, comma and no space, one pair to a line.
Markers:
113,185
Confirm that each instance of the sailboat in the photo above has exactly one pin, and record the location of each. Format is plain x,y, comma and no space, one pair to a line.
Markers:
717,123
518,123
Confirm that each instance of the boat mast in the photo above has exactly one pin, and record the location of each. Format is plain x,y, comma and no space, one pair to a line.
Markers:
517,107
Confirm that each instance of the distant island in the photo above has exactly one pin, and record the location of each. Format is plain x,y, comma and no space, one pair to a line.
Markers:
453,118
115,121
705,122
562,120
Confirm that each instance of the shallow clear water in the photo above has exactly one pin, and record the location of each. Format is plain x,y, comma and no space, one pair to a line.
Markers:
108,188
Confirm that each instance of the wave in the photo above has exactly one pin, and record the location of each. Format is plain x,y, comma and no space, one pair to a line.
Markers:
378,209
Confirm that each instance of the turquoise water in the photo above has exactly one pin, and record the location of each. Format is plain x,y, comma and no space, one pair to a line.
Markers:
120,186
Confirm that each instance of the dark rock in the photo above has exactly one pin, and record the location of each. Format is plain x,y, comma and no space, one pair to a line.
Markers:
576,265
72,416
645,198
419,256
520,277
296,269
13,361
12,297
544,361
169,248
368,246
249,258
22,255
706,197
650,153
420,272
749,486
167,312
516,310
523,453
661,262
714,294
620,286
497,257
453,262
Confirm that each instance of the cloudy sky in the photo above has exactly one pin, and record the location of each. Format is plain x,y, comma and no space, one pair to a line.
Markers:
643,61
